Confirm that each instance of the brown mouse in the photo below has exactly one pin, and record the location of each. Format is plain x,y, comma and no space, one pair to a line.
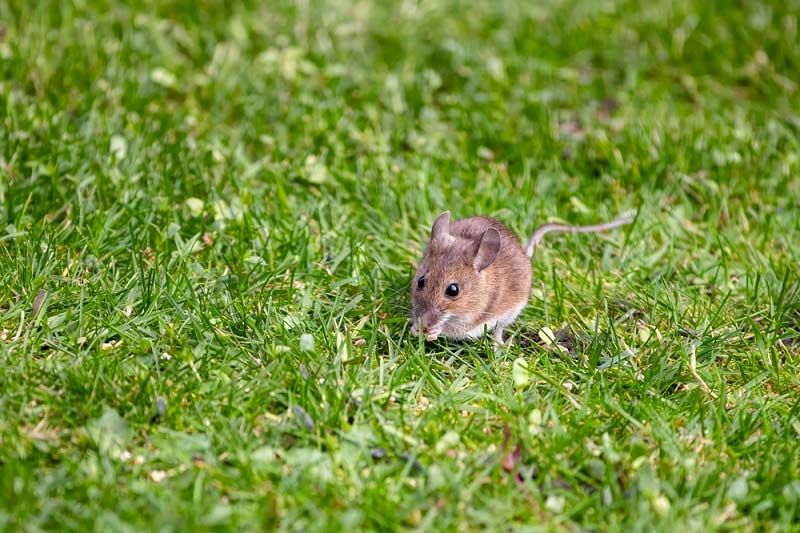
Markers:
475,277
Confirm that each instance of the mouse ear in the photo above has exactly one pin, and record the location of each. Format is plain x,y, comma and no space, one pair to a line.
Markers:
441,227
488,248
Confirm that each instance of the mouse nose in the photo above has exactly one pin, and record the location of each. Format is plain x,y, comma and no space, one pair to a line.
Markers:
420,329
425,324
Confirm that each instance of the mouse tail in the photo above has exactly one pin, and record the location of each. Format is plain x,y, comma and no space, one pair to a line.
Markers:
547,228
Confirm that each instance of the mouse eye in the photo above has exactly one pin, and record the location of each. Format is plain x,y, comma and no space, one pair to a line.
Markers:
452,290
421,282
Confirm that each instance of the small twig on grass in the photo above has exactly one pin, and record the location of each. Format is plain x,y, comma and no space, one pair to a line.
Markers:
693,370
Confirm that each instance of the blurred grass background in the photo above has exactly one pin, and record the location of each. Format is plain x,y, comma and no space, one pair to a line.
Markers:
188,189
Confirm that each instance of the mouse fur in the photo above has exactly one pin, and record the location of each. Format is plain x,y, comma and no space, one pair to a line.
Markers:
475,276
485,261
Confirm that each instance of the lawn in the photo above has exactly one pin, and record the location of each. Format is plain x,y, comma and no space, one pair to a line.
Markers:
210,214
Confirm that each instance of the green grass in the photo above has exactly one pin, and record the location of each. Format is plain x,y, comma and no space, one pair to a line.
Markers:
188,190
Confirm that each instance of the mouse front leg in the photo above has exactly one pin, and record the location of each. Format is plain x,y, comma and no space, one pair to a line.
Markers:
498,337
503,322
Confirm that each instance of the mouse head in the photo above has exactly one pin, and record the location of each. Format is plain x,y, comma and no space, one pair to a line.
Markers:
449,291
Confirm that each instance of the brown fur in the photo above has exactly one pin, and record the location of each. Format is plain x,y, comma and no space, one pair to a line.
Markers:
485,295
491,269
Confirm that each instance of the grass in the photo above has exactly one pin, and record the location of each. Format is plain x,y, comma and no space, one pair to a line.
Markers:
209,214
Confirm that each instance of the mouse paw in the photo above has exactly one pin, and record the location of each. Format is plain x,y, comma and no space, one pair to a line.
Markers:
498,339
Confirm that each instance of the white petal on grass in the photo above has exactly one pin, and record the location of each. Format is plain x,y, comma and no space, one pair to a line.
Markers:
520,373
737,490
118,147
791,491
555,504
495,68
110,345
485,153
307,342
195,206
644,332
342,347
316,171
580,206
547,336
163,77
661,505
158,476
535,422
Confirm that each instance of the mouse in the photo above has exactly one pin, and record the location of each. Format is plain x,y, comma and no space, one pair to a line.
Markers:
475,276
